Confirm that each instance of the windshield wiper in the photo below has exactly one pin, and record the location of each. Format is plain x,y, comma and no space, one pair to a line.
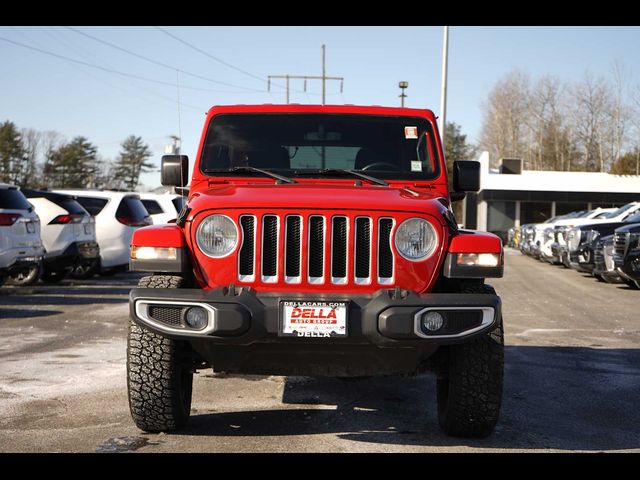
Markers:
250,170
342,171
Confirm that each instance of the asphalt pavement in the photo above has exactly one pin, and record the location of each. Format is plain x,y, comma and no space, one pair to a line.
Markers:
572,380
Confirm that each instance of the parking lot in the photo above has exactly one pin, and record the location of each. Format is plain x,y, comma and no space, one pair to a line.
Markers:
572,380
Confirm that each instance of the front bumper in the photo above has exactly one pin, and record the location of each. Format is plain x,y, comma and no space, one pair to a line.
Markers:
388,318
628,266
582,259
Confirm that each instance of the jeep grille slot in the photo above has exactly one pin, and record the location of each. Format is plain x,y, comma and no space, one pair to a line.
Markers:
293,248
385,254
270,248
339,243
316,249
245,260
363,250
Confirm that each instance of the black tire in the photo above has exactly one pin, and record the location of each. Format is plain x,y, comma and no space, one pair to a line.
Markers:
159,372
3,278
84,271
26,277
598,277
469,384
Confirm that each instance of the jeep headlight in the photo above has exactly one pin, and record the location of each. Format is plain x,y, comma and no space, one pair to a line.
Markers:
416,239
217,236
573,238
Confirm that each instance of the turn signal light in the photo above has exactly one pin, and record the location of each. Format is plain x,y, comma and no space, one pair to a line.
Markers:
478,259
154,253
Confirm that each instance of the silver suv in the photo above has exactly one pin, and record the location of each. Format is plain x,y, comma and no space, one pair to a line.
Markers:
21,249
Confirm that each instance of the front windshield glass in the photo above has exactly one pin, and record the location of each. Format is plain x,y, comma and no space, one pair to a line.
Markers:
382,146
621,210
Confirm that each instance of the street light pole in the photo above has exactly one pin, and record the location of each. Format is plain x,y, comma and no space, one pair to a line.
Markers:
403,86
443,94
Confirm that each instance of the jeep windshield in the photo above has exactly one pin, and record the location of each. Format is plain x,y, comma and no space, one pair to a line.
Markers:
310,145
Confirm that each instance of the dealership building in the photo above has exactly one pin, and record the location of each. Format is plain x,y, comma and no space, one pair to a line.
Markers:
510,197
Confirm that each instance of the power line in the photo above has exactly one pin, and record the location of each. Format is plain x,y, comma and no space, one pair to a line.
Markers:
118,72
207,54
156,62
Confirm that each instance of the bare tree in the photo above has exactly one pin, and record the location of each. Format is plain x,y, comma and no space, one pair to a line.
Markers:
591,102
505,112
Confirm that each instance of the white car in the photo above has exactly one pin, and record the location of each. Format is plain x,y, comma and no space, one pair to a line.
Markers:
546,232
117,215
564,228
67,232
163,207
21,249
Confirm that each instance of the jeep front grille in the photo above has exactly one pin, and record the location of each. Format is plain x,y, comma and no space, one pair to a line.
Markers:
316,249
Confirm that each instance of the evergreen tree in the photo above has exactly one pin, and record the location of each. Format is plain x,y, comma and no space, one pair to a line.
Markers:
627,164
132,162
456,148
12,154
73,165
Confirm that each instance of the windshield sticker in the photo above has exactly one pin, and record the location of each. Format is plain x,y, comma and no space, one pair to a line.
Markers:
416,166
410,132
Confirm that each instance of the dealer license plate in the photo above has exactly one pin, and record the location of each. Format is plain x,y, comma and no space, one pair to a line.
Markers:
313,319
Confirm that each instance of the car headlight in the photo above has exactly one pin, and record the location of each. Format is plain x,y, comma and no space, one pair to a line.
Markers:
217,236
416,239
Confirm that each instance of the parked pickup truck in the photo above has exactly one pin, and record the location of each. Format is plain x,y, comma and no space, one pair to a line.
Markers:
582,241
626,256
317,240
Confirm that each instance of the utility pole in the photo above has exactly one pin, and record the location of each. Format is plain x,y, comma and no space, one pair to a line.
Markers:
323,77
443,94
403,86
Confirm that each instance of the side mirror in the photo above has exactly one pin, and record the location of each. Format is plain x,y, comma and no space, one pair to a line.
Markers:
466,176
174,171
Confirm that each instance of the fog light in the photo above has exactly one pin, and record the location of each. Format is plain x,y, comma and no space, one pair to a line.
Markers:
432,321
197,318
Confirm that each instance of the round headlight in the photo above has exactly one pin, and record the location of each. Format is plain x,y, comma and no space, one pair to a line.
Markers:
217,236
416,239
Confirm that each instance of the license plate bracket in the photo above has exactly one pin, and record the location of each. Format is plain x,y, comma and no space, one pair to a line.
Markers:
313,319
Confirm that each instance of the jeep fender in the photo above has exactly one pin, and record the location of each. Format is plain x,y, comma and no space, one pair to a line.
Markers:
474,254
159,249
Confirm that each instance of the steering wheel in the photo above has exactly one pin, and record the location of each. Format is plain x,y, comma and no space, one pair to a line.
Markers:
372,166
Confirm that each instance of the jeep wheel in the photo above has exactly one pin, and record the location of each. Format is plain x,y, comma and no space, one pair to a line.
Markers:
85,271
159,372
469,386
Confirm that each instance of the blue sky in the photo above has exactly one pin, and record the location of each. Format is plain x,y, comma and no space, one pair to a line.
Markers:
47,93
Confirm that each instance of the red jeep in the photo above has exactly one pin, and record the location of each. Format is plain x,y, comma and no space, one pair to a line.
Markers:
317,240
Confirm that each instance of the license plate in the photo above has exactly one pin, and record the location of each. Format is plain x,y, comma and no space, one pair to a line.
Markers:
87,229
31,228
313,319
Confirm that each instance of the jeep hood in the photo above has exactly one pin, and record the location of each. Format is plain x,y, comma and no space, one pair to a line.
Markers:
320,197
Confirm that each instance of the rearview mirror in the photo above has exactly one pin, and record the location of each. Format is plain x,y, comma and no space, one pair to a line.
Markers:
174,171
466,176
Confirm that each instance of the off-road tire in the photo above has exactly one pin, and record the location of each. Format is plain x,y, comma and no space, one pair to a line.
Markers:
469,384
631,284
159,372
85,271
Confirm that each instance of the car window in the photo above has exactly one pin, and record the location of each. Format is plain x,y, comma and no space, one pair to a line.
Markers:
92,205
179,202
132,208
301,144
13,199
635,218
152,207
